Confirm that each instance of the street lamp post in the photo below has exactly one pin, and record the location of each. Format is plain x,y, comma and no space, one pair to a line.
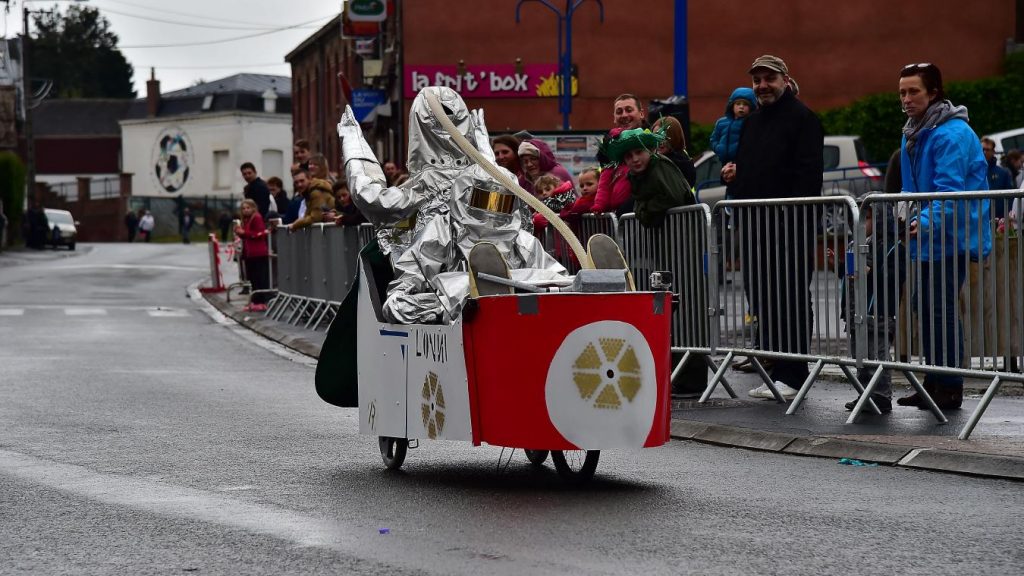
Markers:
564,50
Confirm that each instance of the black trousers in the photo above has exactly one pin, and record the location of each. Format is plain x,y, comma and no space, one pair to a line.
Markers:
258,272
777,253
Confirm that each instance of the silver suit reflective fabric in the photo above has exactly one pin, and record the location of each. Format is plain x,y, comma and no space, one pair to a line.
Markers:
429,224
431,284
434,160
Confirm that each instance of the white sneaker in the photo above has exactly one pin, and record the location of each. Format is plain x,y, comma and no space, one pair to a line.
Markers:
787,392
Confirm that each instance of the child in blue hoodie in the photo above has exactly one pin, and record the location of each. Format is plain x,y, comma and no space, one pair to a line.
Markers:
725,139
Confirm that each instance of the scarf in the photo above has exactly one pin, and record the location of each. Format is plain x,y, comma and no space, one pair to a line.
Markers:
936,114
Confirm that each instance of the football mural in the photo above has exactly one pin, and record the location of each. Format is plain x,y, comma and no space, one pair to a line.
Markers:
172,159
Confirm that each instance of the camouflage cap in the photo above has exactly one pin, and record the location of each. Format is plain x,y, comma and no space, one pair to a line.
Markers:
770,62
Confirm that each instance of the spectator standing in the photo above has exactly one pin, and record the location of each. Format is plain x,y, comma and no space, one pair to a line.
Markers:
297,205
673,147
1014,161
780,155
253,233
255,189
588,190
347,213
613,191
537,160
3,226
186,225
131,222
391,172
146,225
318,168
319,205
506,153
280,205
941,153
300,155
999,178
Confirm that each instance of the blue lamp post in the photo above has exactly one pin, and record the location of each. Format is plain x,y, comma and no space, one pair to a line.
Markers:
564,49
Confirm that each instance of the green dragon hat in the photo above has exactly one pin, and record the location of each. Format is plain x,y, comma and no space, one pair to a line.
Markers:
635,139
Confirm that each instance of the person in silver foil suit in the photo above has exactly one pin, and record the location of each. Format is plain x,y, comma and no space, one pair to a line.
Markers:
429,224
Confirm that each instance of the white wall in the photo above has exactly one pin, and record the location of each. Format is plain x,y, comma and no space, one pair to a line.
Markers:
245,136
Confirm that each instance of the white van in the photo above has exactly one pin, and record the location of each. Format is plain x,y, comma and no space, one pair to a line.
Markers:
1008,140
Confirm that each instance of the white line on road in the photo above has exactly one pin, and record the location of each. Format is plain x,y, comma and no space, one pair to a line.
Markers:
363,542
85,312
12,311
168,313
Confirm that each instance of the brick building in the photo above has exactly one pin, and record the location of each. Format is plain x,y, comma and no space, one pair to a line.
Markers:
837,53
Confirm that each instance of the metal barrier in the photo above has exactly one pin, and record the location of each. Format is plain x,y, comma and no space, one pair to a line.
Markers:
679,246
960,315
786,286
315,269
584,227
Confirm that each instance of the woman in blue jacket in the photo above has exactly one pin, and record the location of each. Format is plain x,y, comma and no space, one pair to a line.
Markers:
941,153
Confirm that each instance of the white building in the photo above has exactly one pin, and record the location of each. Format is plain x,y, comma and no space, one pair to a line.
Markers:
191,142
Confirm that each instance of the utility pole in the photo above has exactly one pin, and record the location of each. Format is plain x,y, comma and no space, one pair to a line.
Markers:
26,98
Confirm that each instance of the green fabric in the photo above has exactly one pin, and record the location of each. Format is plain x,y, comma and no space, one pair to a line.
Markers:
635,139
658,189
337,374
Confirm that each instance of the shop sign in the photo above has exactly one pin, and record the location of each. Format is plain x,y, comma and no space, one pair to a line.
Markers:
489,80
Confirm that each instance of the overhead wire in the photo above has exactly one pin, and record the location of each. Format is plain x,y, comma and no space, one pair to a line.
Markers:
226,40
186,14
180,23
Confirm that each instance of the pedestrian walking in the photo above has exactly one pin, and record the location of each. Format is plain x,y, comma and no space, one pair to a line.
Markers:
146,225
186,225
131,222
780,155
941,153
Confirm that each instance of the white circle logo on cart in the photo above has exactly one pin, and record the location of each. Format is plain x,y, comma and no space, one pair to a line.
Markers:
601,389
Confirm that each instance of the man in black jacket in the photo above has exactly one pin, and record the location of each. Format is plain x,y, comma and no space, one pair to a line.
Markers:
779,156
256,189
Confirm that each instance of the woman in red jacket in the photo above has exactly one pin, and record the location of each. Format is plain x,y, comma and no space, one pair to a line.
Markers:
253,233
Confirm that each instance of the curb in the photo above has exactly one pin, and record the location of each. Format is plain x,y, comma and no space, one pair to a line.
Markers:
262,327
949,461
914,457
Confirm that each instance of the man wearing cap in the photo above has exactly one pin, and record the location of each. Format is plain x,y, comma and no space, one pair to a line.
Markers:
779,156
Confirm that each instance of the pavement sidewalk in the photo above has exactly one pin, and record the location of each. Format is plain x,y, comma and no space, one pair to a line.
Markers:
907,437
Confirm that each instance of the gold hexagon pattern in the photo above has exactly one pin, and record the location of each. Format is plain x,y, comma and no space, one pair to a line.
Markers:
432,408
607,373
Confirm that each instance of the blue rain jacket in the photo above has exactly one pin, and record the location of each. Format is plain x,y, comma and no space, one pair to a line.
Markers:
948,158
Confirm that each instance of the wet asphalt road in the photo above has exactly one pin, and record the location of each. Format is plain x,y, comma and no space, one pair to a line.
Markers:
139,435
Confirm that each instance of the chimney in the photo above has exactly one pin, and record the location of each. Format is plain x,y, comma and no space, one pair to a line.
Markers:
152,94
269,100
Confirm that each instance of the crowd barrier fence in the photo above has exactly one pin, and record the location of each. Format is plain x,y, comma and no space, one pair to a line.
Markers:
773,281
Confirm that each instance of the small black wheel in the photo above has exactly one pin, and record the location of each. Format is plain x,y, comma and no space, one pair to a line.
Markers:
575,466
392,451
536,457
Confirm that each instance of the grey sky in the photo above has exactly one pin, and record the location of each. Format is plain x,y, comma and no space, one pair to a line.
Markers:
157,23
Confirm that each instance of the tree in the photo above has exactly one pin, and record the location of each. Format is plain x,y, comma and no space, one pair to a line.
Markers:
78,52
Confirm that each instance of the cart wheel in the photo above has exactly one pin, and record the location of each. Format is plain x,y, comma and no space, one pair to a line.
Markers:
392,451
536,457
575,466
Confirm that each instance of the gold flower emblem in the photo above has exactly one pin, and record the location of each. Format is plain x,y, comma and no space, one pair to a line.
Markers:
607,373
432,407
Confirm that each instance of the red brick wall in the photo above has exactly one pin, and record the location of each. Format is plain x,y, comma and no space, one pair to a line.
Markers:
316,99
68,155
836,52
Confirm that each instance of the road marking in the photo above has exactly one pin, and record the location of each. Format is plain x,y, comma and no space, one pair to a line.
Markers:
85,312
135,267
12,311
354,540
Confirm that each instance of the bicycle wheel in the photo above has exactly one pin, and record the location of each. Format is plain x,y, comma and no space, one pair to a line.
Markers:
392,451
575,466
536,457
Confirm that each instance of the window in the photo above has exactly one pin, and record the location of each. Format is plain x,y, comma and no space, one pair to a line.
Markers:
831,157
222,169
272,164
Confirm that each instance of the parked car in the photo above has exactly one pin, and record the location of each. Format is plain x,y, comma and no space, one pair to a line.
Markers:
847,171
1008,140
66,225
